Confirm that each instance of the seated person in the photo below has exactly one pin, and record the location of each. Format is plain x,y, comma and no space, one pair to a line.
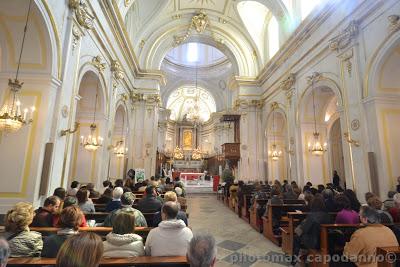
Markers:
82,250
22,241
70,219
149,203
308,232
4,252
106,197
363,243
389,202
395,211
116,201
122,242
85,204
202,251
330,203
61,194
92,192
289,193
375,203
169,196
127,200
171,237
181,199
70,201
44,215
74,188
345,215
275,200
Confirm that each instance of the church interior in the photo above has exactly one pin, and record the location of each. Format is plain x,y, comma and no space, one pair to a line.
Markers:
230,111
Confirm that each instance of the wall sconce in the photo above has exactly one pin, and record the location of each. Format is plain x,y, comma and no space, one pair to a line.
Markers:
70,131
351,141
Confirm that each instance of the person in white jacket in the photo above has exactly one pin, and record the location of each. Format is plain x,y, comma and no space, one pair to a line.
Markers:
122,242
171,237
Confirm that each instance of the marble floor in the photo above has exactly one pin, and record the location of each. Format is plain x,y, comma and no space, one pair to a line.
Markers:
238,243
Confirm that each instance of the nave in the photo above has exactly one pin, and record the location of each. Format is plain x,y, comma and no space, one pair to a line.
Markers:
238,244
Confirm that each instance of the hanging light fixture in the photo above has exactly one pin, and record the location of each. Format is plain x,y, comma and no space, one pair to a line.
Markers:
92,142
11,117
314,146
120,150
194,112
274,153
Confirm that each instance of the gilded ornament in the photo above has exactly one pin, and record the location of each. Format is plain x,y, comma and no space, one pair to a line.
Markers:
345,37
394,23
84,18
96,61
137,97
64,111
76,36
355,124
117,70
199,22
274,105
127,3
288,83
315,77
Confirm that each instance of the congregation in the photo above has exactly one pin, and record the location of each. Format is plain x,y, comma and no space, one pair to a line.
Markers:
69,210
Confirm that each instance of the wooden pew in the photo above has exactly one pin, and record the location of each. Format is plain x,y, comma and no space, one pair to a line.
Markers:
137,261
256,222
294,219
349,229
389,254
246,206
102,231
282,210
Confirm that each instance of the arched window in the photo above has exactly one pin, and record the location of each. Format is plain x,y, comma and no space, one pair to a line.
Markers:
307,6
273,36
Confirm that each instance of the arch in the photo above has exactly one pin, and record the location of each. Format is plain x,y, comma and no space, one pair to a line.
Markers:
41,29
323,81
375,64
239,50
88,67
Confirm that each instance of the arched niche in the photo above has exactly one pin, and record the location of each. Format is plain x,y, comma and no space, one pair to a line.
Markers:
86,165
39,65
384,82
327,100
119,143
276,134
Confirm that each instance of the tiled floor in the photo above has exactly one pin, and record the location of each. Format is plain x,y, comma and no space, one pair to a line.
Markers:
238,243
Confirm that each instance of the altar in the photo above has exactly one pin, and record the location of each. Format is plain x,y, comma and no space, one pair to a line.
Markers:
187,176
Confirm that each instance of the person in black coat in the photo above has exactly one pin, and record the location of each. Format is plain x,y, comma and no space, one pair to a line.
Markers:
149,203
308,232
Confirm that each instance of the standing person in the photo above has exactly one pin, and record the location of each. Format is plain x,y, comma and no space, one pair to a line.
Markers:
74,251
45,215
336,179
22,241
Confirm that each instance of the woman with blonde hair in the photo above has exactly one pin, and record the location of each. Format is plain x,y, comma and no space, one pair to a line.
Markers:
84,249
22,241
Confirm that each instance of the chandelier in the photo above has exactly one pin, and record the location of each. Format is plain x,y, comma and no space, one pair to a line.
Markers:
315,145
92,142
197,154
11,117
274,153
178,154
120,150
194,112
